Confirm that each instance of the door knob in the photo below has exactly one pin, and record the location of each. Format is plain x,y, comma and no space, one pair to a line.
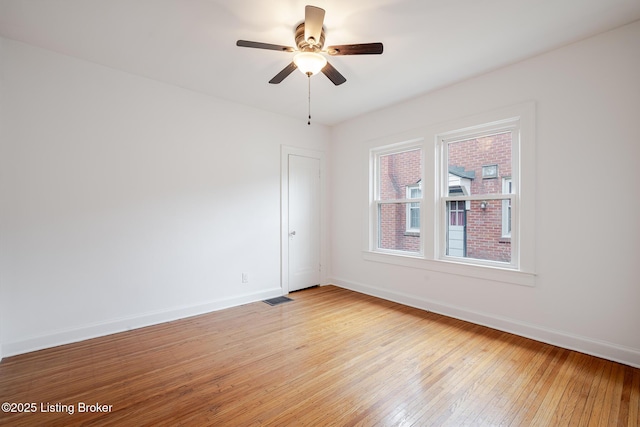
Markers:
293,233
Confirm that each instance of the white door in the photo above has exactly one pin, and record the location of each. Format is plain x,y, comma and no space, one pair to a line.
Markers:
456,238
304,222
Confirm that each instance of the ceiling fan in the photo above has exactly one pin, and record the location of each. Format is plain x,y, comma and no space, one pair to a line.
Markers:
309,38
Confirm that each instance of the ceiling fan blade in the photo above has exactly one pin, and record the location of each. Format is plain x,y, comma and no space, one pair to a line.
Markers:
258,45
333,74
283,74
313,20
355,49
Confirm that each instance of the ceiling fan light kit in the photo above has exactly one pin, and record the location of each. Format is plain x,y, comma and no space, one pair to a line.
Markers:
309,63
309,38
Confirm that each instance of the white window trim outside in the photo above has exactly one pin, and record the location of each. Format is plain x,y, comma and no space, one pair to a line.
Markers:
433,208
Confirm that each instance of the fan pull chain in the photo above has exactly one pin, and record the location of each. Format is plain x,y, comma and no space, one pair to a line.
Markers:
309,108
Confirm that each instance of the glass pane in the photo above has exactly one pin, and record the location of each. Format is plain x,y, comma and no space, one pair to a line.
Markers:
397,172
415,217
478,232
392,228
467,158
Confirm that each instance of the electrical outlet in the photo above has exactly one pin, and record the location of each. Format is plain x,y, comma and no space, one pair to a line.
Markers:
245,277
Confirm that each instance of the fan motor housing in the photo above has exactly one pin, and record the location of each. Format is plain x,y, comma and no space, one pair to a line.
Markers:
304,45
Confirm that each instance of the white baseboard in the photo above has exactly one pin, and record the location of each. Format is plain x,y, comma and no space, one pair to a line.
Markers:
606,350
128,323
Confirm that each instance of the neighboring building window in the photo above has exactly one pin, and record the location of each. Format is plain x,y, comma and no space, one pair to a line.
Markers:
413,209
490,171
397,200
507,188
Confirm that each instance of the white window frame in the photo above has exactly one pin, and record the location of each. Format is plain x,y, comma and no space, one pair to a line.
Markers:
433,208
444,139
376,201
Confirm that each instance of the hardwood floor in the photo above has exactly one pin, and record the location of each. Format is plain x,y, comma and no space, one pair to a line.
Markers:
330,357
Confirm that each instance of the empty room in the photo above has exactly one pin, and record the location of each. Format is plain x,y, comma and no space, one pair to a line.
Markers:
365,213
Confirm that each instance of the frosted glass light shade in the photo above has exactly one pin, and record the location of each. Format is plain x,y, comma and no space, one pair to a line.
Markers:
309,62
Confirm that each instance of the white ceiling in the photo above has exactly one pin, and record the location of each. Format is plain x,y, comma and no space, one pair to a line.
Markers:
428,44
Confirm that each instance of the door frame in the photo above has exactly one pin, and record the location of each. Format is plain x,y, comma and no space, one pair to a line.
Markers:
285,152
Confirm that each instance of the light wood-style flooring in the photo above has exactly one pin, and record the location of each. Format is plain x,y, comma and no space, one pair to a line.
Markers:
331,357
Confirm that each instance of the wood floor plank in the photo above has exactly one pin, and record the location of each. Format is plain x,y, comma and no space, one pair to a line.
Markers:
634,401
525,371
464,389
329,357
488,405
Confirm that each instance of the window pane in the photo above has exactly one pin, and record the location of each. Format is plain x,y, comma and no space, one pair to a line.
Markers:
397,172
468,158
478,233
392,228
415,216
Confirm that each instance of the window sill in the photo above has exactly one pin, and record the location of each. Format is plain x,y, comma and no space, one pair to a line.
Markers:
496,274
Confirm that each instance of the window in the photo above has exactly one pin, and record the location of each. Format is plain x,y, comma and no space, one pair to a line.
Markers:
413,209
471,212
397,199
480,237
490,171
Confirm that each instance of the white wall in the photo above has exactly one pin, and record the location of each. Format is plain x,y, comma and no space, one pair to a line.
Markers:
587,292
127,202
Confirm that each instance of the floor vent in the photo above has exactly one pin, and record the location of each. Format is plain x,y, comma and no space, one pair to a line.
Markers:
278,300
